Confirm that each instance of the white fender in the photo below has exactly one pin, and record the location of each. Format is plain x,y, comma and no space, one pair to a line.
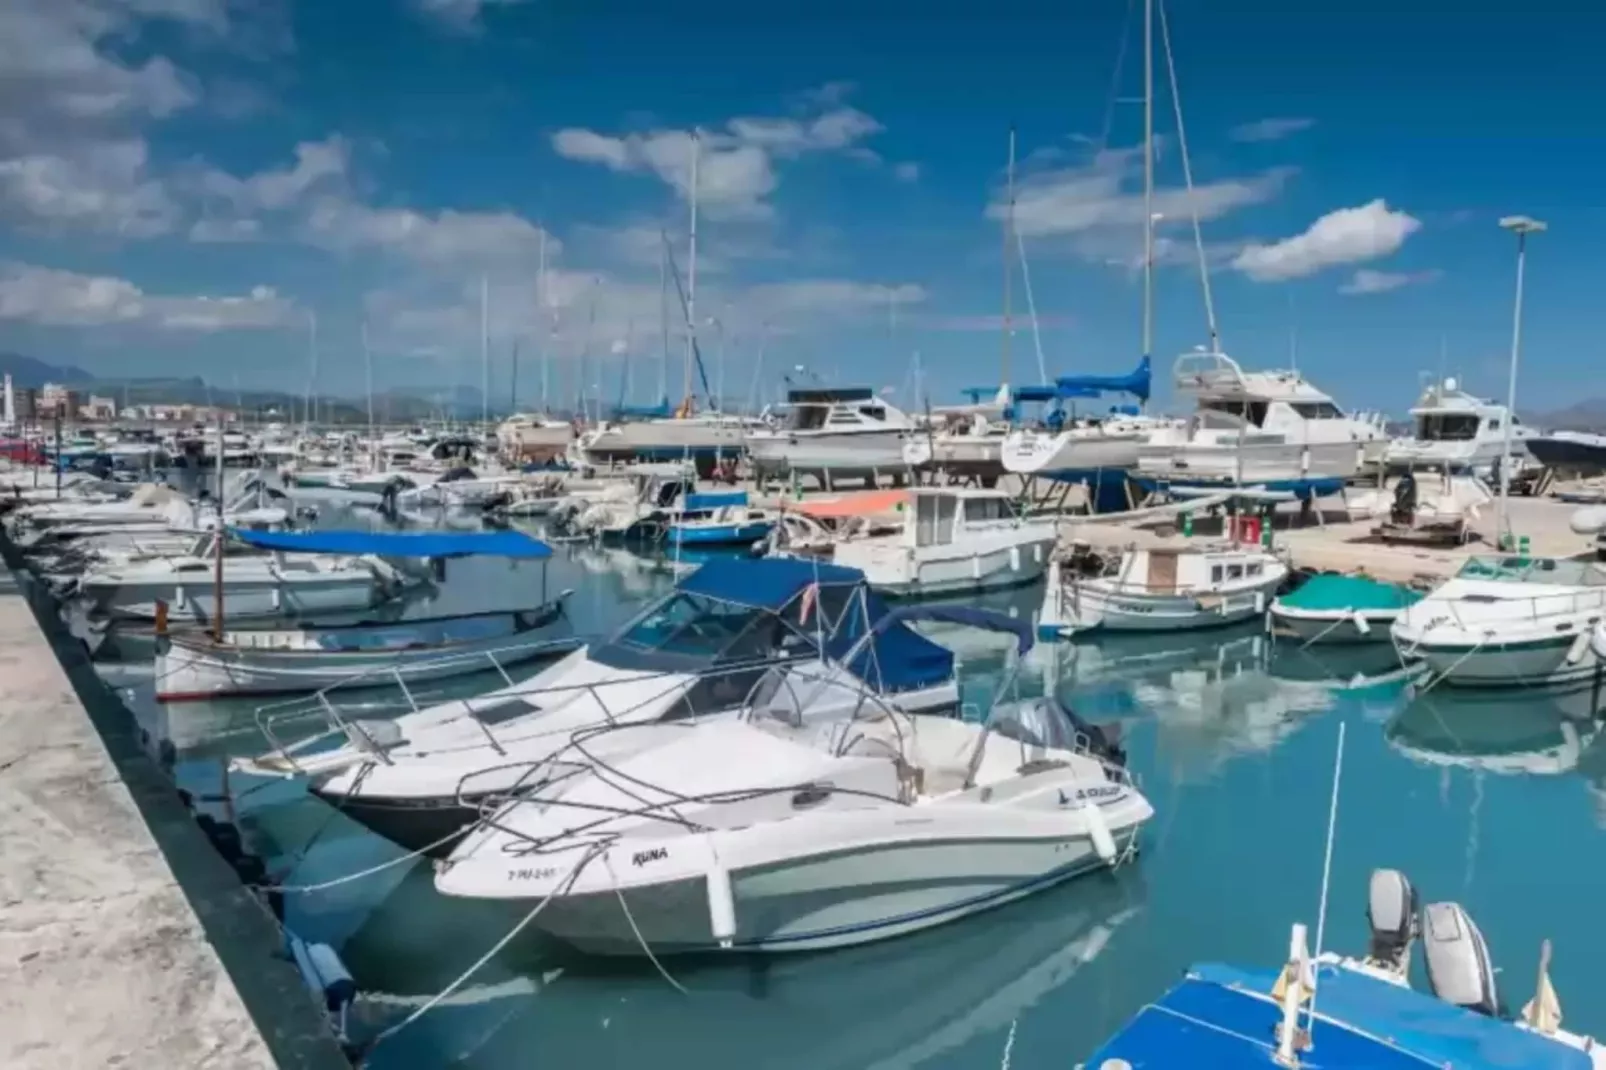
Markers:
1099,830
721,905
1362,625
1576,651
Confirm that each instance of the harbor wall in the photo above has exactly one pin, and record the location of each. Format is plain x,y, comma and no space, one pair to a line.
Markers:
125,938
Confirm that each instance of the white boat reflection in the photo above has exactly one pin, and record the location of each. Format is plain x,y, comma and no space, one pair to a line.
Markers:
1534,736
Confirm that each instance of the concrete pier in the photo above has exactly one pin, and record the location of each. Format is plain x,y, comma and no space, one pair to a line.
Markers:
107,958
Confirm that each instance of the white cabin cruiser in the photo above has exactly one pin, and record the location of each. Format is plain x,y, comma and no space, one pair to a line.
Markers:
1258,427
1154,589
534,437
1508,621
952,540
834,434
699,438
1085,450
1452,428
773,832
791,630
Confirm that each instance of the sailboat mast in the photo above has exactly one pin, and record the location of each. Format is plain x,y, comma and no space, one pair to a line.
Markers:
485,351
540,310
691,272
1148,178
368,377
663,315
1009,231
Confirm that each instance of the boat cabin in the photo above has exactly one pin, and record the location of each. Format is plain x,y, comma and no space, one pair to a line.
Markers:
852,408
1282,403
1177,570
942,516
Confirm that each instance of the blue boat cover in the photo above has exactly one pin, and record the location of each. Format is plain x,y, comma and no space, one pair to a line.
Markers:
968,616
764,582
1223,1018
715,500
399,543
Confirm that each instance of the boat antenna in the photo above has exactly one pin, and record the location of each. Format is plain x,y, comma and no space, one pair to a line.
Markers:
1327,876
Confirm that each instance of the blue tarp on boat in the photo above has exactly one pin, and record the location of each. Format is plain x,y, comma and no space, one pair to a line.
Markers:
765,582
514,544
1224,1018
696,503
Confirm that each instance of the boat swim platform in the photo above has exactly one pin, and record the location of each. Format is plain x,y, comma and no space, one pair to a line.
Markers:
1330,541
126,940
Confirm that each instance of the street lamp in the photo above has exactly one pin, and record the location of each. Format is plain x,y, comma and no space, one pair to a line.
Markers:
1522,226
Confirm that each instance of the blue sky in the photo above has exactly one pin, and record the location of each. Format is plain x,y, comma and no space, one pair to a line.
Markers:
186,184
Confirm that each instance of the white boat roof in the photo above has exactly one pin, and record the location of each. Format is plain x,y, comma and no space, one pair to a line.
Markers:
1206,374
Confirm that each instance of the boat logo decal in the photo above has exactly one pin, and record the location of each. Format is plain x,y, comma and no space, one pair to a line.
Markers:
641,858
1089,794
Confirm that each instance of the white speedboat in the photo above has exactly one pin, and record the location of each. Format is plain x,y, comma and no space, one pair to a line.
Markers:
1257,428
696,438
640,510
952,541
773,832
1508,621
1158,589
732,628
1331,609
1088,450
1452,428
534,437
834,434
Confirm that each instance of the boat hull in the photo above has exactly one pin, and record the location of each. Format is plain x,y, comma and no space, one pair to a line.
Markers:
829,900
195,668
270,597
1334,628
1548,662
1089,608
430,825
719,534
1069,456
989,569
863,454
1254,462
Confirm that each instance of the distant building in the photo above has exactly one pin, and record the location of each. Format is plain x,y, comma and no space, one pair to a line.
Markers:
99,408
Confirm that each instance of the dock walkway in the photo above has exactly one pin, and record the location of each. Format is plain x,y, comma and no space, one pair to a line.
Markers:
105,961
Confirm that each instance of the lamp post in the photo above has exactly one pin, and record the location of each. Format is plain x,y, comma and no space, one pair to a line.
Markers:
1522,226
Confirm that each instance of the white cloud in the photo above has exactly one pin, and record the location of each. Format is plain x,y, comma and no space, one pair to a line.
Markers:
1269,129
208,231
316,162
1345,236
736,164
1367,281
906,172
101,186
459,14
443,238
54,298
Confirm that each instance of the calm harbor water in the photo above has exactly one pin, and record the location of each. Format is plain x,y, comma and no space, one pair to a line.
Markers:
1497,801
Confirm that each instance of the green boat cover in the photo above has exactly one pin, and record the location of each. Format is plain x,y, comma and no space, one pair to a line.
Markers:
1332,592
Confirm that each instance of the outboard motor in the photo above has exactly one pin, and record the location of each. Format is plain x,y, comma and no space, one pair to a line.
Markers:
1405,498
1459,970
1391,912
387,499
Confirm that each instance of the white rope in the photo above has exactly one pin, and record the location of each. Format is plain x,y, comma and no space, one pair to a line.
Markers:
629,917
381,867
1009,1044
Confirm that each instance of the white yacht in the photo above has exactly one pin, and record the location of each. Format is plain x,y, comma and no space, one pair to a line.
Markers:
773,832
834,434
952,541
1452,428
700,438
1258,427
533,437
1082,451
1504,621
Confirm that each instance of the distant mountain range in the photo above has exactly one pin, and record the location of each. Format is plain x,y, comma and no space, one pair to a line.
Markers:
404,405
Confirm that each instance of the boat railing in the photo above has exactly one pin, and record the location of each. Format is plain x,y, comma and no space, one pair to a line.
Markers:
1535,608
319,703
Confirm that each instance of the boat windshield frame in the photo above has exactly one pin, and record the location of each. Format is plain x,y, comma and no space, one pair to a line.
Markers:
1515,568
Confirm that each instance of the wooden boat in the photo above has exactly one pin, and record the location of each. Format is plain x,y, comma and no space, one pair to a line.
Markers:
1341,609
193,664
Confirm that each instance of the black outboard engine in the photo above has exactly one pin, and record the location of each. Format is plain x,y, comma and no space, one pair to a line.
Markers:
1405,497
1391,907
1103,740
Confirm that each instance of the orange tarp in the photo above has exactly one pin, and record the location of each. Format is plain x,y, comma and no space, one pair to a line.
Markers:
866,503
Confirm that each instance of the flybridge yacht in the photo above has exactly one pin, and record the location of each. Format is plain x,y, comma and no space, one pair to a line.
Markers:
834,434
794,632
1454,428
1258,427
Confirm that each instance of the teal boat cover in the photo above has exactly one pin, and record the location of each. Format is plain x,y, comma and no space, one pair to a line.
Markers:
1349,593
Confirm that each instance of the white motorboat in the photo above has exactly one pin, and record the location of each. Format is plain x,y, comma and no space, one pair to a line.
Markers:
952,541
698,438
789,630
1455,429
1508,621
640,510
965,440
1572,452
773,832
1258,428
1423,504
197,663
534,437
1332,608
1172,588
1088,450
833,434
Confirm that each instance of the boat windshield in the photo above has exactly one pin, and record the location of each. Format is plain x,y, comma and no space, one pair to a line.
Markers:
1447,426
690,630
1518,569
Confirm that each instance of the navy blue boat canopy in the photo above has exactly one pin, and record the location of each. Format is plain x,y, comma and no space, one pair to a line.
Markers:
969,616
514,544
764,582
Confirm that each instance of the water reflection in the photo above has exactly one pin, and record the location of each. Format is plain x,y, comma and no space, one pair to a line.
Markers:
1542,735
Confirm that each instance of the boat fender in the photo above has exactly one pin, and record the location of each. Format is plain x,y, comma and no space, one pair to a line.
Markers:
1579,645
721,905
338,987
1260,601
1362,625
1099,830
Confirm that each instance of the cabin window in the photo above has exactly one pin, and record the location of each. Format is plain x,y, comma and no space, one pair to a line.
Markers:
874,412
1494,423
1317,410
1215,573
841,416
1252,411
1235,572
934,519
809,417
1447,427
1253,570
978,509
